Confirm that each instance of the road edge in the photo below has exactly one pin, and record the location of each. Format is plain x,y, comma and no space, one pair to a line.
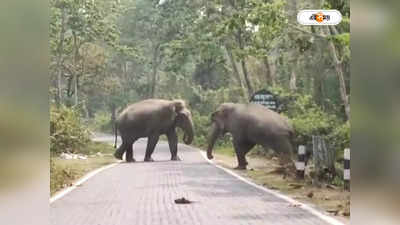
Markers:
79,182
308,208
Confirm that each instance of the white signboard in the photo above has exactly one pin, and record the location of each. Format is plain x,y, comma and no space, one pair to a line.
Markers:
265,98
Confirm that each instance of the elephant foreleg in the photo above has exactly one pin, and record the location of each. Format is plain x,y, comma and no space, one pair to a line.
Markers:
284,148
173,144
241,149
151,144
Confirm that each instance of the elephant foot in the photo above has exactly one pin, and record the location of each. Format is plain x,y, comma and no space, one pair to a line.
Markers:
118,156
240,167
176,158
130,160
148,159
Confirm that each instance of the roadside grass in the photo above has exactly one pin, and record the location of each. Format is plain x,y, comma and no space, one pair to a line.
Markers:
95,147
224,150
264,170
333,199
64,172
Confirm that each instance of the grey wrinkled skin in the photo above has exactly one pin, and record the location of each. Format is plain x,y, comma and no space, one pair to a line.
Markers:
251,124
151,118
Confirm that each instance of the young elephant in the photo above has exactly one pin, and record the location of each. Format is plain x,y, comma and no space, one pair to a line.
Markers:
251,124
151,118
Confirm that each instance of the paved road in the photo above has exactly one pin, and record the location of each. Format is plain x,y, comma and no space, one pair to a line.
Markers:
143,194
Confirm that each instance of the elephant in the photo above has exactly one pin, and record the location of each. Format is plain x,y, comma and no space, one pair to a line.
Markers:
151,118
251,124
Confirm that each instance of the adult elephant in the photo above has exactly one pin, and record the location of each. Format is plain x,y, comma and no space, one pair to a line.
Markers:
151,118
251,124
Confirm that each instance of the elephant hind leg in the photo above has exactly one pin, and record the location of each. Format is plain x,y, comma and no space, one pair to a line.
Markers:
129,152
120,150
126,146
241,149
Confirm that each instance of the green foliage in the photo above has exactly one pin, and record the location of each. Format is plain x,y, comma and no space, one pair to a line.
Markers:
312,122
309,119
67,133
102,122
182,49
64,172
95,147
340,137
343,39
201,129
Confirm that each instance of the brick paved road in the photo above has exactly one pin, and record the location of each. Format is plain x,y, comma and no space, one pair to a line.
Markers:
144,193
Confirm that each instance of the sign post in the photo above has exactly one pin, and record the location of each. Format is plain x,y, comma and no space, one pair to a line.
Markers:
265,98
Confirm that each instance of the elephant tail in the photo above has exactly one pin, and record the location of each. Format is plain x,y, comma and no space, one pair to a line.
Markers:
116,134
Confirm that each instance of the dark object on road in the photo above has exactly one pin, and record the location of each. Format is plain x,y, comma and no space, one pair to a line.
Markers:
310,194
252,124
182,201
151,118
333,211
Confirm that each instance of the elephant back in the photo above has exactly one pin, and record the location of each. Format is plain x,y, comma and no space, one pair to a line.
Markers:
267,117
147,115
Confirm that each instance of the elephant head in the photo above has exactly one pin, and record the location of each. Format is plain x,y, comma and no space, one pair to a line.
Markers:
220,125
184,121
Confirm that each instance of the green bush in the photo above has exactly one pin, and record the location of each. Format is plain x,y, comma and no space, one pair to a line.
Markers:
309,119
201,129
340,138
67,134
102,122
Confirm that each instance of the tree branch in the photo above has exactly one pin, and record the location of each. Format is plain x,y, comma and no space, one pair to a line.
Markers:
308,32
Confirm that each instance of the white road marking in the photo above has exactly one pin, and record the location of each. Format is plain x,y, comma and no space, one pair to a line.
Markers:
315,212
277,194
82,180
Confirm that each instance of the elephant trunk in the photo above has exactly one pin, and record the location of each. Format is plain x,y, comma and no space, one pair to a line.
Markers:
188,132
211,141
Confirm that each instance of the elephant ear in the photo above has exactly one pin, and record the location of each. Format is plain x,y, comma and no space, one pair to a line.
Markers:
222,111
178,105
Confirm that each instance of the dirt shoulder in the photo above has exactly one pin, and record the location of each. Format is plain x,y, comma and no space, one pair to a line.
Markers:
64,172
265,171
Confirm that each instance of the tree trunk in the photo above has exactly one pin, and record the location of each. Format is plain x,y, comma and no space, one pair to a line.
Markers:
318,76
293,75
317,88
270,75
292,82
59,59
76,90
243,62
339,73
234,67
246,77
153,81
293,71
76,54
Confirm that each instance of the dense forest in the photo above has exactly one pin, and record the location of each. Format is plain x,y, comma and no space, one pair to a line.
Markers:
106,54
